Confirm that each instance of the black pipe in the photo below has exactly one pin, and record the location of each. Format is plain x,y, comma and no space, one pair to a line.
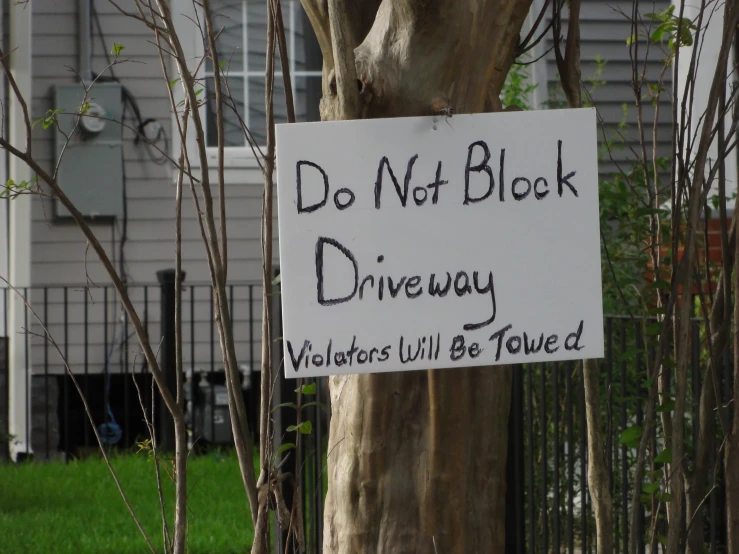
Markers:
168,365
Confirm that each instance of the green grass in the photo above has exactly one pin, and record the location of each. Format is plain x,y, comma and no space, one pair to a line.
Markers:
76,508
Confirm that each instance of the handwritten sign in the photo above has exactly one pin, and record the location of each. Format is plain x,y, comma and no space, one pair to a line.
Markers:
421,243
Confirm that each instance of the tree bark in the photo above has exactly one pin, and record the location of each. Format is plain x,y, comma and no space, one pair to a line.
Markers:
417,460
598,484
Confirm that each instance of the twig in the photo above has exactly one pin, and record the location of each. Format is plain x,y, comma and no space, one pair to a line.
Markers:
150,426
345,70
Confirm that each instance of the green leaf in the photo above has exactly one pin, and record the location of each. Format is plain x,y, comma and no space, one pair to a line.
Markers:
651,488
686,35
173,82
222,64
11,187
50,118
630,437
277,280
284,448
307,389
306,427
117,49
286,405
664,457
630,40
321,404
658,34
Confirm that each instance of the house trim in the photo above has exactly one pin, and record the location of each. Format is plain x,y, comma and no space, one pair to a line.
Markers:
4,230
709,47
19,260
538,76
184,17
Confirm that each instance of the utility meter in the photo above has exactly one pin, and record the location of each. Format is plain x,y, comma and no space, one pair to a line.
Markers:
91,168
92,121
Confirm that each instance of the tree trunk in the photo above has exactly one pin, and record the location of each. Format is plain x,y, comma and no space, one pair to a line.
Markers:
597,470
417,460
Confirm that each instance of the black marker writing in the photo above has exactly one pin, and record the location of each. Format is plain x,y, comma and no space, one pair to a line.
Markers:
410,287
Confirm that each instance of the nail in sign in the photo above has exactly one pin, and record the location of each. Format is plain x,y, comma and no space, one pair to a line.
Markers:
407,244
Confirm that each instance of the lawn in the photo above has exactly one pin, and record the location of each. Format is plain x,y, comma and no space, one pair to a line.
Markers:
75,508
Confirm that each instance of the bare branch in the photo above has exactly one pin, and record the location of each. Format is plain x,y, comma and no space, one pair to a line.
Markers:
344,66
149,23
242,438
160,492
217,75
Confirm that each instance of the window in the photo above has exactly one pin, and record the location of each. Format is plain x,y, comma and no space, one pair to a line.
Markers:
242,46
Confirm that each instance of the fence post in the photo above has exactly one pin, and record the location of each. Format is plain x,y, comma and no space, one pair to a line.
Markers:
166,277
514,518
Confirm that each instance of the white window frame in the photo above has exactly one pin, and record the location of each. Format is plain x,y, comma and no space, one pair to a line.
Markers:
184,17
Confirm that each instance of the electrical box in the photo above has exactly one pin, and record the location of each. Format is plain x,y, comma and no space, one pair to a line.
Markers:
91,172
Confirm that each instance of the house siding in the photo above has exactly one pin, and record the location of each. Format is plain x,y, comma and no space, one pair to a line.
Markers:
60,256
604,29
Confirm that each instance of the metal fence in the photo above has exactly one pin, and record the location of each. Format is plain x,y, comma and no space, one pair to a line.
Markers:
95,336
548,505
549,509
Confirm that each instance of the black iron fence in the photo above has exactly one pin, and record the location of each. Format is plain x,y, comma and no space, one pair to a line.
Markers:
90,330
549,509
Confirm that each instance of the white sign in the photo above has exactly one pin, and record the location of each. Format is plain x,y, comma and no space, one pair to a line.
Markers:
421,243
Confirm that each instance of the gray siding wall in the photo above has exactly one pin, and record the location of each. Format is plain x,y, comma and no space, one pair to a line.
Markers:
59,255
605,27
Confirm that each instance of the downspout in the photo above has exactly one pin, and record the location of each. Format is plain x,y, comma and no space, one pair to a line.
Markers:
4,250
4,229
85,40
19,232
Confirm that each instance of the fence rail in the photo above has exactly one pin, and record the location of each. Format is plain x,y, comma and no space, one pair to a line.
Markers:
549,509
